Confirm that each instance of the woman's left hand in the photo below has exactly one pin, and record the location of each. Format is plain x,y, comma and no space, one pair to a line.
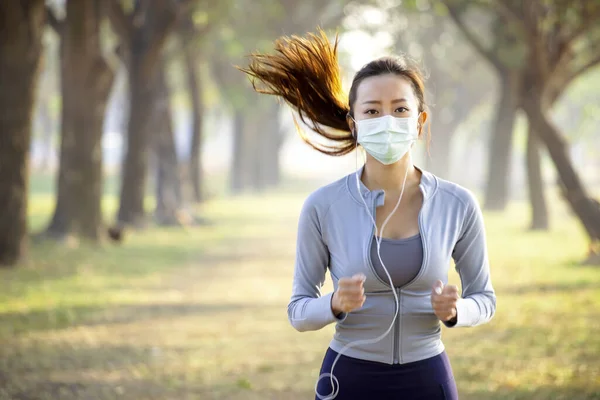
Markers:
443,300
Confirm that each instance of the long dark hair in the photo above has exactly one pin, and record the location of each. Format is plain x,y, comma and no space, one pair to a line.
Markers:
304,71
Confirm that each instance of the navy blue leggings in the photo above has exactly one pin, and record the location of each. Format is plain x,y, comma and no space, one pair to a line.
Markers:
429,379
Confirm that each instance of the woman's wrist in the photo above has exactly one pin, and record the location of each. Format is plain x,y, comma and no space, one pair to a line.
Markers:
334,309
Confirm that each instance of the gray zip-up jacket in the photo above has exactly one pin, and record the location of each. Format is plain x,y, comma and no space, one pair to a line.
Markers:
335,232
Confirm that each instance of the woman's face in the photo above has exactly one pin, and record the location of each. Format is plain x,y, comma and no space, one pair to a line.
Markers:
387,94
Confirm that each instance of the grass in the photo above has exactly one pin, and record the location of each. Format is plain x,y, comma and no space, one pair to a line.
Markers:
200,313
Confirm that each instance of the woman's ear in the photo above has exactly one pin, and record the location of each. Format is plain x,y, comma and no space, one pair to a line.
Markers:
421,122
351,124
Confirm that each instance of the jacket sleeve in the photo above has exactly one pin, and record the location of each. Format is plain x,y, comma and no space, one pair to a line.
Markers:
477,304
307,309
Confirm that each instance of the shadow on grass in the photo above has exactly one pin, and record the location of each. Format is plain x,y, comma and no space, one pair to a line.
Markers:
170,388
51,261
66,372
111,314
43,371
563,392
88,389
555,287
55,263
42,359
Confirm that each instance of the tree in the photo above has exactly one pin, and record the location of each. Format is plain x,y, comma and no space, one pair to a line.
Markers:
539,207
193,33
86,81
143,33
257,135
170,200
20,54
194,80
560,41
169,197
446,63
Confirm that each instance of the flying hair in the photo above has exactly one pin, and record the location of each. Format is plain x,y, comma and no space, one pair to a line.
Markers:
304,71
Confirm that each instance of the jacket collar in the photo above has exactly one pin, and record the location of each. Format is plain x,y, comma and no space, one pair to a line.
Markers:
428,186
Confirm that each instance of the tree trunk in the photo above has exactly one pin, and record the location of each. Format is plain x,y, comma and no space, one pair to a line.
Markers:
540,219
586,208
499,167
237,164
168,185
253,138
196,145
270,147
142,52
86,81
142,106
20,55
537,198
254,142
438,157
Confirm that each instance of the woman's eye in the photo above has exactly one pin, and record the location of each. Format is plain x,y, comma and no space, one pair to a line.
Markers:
371,112
401,109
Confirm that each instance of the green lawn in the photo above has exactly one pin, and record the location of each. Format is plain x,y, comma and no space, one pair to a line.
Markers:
200,313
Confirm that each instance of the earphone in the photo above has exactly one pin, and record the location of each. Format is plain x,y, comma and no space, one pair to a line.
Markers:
378,239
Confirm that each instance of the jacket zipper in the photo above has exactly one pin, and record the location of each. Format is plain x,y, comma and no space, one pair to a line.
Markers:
423,265
396,351
368,252
397,330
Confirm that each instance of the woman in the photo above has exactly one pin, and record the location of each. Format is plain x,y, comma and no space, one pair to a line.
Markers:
386,233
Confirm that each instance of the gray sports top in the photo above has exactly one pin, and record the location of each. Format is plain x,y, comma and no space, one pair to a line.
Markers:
402,259
335,232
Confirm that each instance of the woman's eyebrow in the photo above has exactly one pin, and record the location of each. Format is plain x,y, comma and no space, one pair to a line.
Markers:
379,102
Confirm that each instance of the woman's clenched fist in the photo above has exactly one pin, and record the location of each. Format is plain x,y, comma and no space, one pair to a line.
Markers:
444,300
350,294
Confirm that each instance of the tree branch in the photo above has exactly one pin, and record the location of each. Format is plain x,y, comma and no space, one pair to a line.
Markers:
56,24
537,38
589,18
190,35
120,21
509,13
491,56
561,61
565,76
161,19
586,67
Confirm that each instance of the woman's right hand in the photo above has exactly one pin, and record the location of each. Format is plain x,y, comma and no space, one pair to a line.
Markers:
350,294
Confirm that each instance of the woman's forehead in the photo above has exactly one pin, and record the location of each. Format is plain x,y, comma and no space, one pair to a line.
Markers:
385,87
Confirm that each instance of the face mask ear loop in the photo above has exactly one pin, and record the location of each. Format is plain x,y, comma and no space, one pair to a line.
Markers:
336,388
353,132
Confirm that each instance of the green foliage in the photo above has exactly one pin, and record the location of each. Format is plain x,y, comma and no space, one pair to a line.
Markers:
556,37
252,26
578,111
423,30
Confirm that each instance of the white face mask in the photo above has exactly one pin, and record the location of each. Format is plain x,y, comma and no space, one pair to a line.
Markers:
387,138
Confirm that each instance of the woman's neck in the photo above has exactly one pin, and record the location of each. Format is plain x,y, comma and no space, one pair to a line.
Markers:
389,178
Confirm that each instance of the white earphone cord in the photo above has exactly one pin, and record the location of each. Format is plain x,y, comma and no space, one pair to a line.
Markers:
378,238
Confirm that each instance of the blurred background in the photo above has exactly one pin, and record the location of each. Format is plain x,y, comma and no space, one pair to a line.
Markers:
149,197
